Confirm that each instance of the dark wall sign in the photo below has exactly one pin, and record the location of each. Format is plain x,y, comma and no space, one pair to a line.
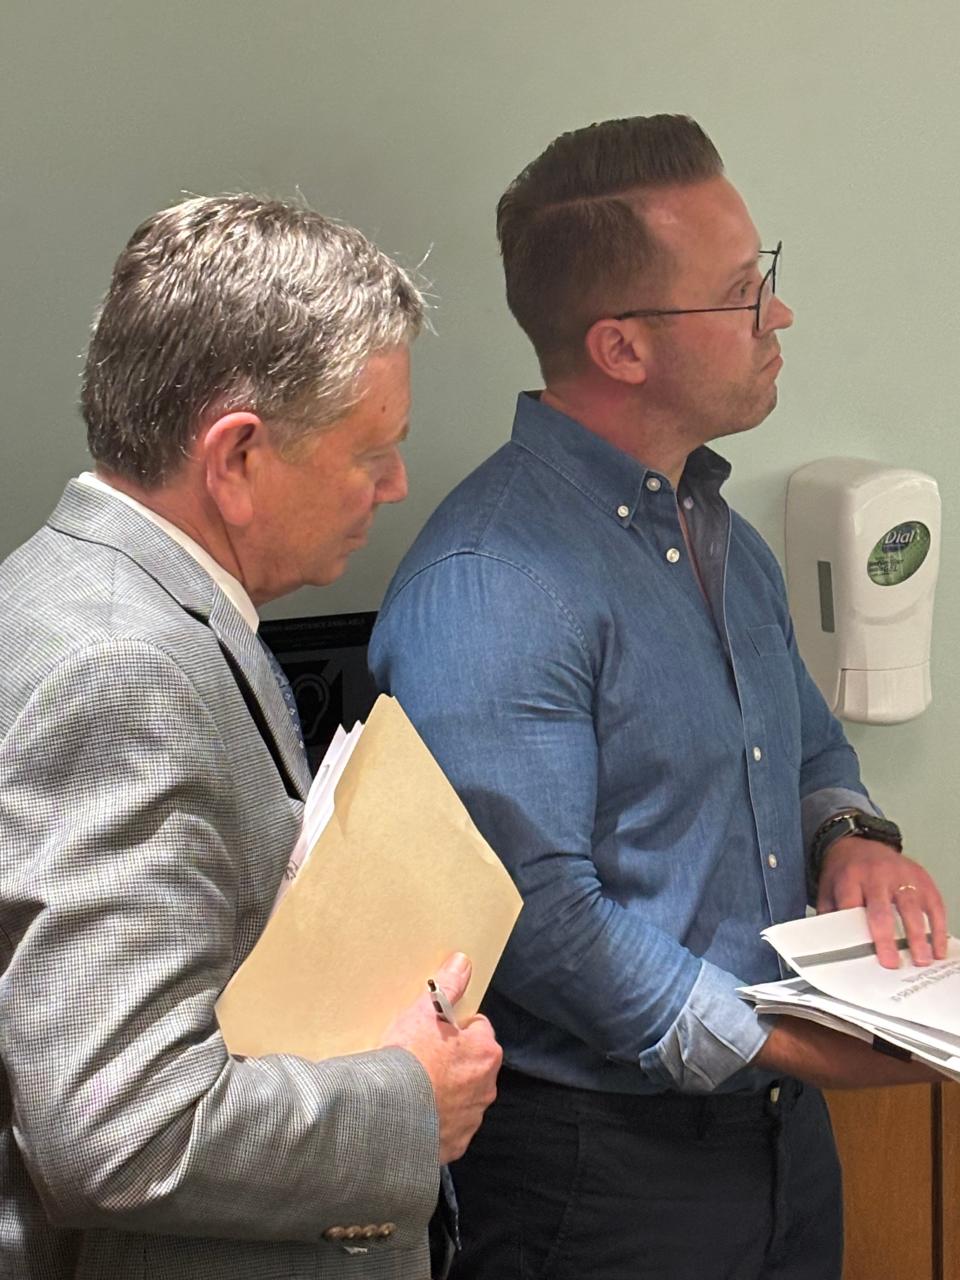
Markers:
326,663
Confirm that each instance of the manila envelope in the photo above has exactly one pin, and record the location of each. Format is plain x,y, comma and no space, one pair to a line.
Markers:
399,878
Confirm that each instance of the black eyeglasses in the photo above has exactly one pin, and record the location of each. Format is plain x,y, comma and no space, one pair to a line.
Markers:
760,308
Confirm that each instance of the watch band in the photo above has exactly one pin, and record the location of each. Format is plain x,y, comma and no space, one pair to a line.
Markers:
850,822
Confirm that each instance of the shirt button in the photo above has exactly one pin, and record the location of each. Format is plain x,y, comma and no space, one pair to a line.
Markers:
673,555
772,861
653,483
623,511
688,504
757,753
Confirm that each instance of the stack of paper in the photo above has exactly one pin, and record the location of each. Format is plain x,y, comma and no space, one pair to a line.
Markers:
389,877
321,798
912,1012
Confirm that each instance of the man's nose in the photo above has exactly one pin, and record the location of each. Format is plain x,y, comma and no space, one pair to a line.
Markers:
395,487
779,315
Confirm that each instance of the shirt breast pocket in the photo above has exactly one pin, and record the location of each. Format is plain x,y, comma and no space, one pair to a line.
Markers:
778,689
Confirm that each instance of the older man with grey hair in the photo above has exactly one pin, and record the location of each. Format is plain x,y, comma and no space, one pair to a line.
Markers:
246,393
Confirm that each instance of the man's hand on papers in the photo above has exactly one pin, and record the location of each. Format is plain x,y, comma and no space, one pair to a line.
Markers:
865,873
462,1063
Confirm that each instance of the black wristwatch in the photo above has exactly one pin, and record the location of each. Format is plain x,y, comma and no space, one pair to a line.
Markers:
851,822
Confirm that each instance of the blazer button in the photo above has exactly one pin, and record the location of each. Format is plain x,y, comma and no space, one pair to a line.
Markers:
353,1233
386,1229
334,1233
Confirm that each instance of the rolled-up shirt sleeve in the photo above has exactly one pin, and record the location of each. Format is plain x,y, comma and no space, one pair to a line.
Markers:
714,1036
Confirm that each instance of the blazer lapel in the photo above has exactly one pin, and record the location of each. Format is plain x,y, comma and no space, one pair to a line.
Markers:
247,652
94,516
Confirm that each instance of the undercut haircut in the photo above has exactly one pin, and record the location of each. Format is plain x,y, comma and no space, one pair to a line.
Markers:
236,302
572,235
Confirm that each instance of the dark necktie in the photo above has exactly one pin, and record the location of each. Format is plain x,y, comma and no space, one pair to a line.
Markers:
285,688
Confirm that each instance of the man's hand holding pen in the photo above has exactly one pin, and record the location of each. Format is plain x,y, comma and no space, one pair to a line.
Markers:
461,1061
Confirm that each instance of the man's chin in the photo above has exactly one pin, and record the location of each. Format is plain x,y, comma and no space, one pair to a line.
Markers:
763,411
747,421
334,568
326,574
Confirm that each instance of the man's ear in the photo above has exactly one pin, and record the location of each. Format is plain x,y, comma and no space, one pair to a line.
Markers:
618,349
232,451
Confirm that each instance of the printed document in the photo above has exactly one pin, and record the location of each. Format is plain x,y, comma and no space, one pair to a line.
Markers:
912,1009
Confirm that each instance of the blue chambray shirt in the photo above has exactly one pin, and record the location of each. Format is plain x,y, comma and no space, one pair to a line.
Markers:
649,764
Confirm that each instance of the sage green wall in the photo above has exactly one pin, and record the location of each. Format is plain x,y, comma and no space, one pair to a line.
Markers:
839,122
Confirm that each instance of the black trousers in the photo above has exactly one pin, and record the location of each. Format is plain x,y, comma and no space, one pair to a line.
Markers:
566,1184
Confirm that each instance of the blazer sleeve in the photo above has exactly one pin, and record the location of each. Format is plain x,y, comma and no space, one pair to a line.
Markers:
119,884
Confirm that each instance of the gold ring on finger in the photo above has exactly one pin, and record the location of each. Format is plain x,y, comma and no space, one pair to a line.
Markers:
903,888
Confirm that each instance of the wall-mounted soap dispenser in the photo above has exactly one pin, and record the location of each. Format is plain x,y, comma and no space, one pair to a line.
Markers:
863,551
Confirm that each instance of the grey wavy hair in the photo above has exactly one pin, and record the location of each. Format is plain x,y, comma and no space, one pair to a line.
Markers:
236,302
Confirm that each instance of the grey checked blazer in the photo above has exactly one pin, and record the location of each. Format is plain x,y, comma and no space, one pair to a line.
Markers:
145,821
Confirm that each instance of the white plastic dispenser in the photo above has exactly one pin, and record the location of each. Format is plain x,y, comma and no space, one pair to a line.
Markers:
863,552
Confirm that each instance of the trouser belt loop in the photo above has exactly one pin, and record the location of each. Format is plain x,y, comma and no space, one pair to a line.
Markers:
782,1096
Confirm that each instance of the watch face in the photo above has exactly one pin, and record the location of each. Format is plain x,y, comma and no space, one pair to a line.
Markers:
878,827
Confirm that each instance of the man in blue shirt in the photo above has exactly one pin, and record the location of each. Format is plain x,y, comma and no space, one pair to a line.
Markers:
600,655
